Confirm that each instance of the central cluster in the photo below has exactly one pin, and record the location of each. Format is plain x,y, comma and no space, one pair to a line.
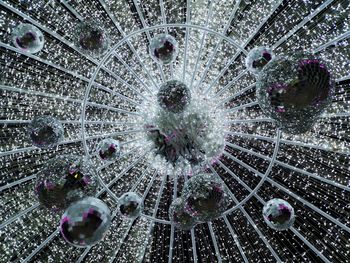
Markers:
184,129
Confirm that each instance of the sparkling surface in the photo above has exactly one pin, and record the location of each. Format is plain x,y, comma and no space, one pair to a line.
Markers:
178,215
28,38
91,39
295,91
97,99
45,132
163,49
85,222
108,149
258,58
65,179
130,205
278,214
205,197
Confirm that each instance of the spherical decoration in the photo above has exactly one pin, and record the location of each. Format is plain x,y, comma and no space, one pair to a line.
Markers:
65,179
174,96
294,91
85,222
108,149
45,132
257,59
179,216
163,49
28,38
91,39
205,197
278,214
130,205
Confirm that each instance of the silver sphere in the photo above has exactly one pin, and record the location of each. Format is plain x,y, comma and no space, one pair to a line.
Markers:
108,149
45,132
278,214
85,222
63,180
179,216
295,91
205,197
174,96
258,58
91,39
163,49
28,38
130,205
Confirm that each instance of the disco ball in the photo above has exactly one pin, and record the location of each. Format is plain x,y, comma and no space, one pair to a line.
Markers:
28,38
174,96
85,222
179,216
45,132
108,149
91,39
295,91
163,49
190,138
205,197
278,214
65,179
258,58
130,205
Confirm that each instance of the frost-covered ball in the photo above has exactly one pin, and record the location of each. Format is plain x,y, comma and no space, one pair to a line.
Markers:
85,222
278,214
179,216
63,180
91,39
295,91
130,205
108,149
45,132
28,38
163,49
174,96
257,58
205,197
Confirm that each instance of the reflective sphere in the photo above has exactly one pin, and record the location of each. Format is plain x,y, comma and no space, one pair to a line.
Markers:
130,205
108,149
28,38
174,96
257,58
45,132
91,39
205,197
278,214
65,179
163,49
85,222
179,216
294,91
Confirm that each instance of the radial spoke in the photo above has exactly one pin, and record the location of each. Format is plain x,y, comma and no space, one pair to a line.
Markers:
234,236
216,247
202,43
188,21
293,168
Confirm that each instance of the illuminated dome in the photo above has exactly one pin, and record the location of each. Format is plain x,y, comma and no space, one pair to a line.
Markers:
90,66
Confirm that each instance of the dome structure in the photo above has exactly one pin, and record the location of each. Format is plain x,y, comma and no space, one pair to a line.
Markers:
103,83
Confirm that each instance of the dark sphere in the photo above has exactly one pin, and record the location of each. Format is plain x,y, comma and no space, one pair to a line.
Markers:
85,222
179,216
63,180
205,197
45,132
163,49
174,96
295,91
91,39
